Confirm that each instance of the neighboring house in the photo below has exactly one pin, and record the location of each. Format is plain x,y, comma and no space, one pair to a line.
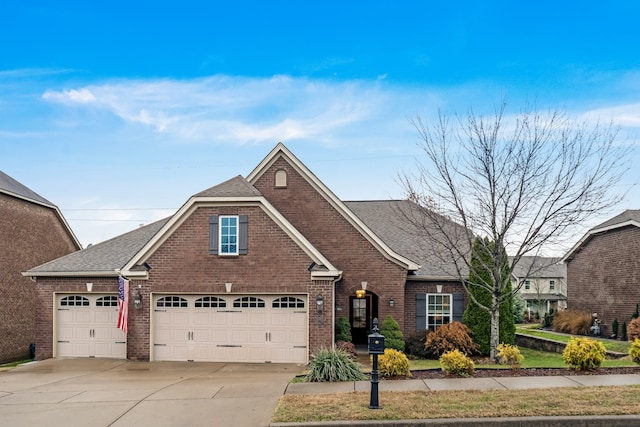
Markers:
32,231
255,269
603,270
543,284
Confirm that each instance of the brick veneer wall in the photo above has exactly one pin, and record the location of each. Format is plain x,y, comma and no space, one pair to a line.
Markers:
414,288
338,240
604,275
182,264
30,235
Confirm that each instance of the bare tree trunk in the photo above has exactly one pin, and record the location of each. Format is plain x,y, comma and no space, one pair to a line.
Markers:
495,327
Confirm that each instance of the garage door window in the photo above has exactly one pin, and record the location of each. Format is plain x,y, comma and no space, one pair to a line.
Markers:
210,302
288,302
108,301
171,302
248,302
74,301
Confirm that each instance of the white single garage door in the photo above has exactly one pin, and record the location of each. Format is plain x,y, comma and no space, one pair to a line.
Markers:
230,328
86,326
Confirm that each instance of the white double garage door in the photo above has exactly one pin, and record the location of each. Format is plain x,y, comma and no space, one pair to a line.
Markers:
213,328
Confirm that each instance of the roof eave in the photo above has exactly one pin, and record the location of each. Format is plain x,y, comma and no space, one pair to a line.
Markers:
595,231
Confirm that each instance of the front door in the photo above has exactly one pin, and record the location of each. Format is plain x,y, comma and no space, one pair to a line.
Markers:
360,318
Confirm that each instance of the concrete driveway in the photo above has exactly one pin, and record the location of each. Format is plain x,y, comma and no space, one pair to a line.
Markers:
106,392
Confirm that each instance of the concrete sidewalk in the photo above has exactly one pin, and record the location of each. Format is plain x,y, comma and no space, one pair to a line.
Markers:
504,383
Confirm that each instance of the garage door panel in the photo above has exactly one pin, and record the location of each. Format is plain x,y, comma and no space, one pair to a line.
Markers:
232,328
86,326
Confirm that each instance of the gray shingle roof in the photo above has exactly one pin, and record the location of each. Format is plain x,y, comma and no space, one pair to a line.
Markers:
104,257
10,186
541,267
235,187
390,221
628,215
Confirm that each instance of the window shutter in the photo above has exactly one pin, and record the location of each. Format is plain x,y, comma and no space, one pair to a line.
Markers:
213,235
421,312
243,243
458,307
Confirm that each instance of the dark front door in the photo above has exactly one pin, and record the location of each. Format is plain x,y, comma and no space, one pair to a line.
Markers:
360,318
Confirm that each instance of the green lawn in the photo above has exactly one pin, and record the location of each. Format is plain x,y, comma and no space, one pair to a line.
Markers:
532,359
611,345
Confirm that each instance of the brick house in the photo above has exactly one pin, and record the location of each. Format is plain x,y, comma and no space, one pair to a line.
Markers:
32,231
543,283
603,270
254,269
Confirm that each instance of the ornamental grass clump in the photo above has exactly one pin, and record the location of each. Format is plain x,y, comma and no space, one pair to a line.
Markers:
510,355
584,354
455,362
393,363
332,366
634,351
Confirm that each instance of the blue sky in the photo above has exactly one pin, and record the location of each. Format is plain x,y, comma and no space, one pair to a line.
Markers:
118,111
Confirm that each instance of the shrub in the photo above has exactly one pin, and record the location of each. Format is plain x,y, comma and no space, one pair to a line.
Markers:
347,347
393,363
333,365
510,354
634,350
636,312
548,319
624,332
633,329
584,353
393,337
455,362
343,330
574,322
614,328
414,345
452,336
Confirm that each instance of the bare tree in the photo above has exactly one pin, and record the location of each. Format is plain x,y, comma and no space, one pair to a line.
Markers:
523,182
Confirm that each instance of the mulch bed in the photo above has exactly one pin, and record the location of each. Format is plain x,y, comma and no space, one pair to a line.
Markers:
534,372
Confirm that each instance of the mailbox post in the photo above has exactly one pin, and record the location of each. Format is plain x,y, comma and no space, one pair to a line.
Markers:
376,347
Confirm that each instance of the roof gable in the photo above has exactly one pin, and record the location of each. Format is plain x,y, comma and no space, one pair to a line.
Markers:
280,151
13,188
234,187
628,218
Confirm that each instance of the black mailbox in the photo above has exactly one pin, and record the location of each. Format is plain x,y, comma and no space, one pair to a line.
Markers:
376,341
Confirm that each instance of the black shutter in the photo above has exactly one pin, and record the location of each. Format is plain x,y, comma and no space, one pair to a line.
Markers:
213,235
458,307
243,243
421,312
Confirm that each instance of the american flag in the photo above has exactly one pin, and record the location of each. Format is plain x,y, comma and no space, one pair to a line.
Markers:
123,304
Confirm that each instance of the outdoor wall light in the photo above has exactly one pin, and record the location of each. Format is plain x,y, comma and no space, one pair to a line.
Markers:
392,302
320,302
360,293
137,300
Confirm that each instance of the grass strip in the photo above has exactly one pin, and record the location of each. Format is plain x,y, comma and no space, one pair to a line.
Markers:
620,400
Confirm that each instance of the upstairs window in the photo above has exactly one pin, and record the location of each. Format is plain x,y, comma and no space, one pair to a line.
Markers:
552,285
228,244
527,284
228,235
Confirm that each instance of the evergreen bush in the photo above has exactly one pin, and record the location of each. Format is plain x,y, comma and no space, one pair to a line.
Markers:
393,337
634,351
448,337
624,331
393,363
584,353
454,362
475,316
334,365
414,345
510,354
614,328
343,330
